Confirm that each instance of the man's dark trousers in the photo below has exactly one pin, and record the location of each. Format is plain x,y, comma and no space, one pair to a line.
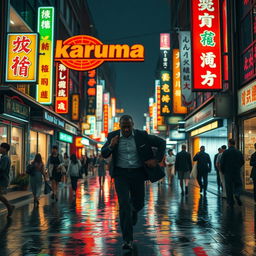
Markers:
234,186
130,190
202,174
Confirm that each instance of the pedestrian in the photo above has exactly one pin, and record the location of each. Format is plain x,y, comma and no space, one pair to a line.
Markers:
84,163
183,166
133,162
66,162
36,178
5,165
217,169
222,178
231,162
55,168
253,172
101,170
170,164
204,166
74,171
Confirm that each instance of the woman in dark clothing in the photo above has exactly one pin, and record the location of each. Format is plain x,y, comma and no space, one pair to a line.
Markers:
253,172
36,178
84,164
55,168
74,172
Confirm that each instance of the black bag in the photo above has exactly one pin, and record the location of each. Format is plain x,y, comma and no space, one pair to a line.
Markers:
155,174
30,169
47,188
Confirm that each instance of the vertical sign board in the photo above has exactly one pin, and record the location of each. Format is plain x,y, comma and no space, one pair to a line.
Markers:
113,106
165,98
92,121
185,68
91,82
45,28
21,56
158,102
99,103
62,78
105,121
165,43
75,107
206,45
177,103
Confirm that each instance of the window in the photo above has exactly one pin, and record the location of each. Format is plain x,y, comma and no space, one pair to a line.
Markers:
3,133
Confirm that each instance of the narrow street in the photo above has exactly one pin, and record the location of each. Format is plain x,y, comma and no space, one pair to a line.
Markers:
168,225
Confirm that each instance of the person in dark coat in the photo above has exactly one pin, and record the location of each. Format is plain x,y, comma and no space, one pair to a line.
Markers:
217,169
253,172
133,161
204,166
231,162
183,166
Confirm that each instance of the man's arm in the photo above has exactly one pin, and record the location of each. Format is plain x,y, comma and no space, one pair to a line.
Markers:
253,160
160,144
3,164
106,151
196,157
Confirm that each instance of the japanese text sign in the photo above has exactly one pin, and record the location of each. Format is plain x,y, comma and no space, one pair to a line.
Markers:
62,89
99,103
21,64
75,107
105,121
165,97
177,104
159,118
45,28
206,45
91,83
185,68
165,50
247,98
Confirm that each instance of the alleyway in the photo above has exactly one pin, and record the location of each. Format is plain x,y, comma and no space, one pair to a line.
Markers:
169,225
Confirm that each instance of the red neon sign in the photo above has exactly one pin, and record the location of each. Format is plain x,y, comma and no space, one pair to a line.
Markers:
206,45
62,79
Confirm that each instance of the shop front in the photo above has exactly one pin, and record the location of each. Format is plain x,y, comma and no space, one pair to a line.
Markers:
14,119
247,124
209,128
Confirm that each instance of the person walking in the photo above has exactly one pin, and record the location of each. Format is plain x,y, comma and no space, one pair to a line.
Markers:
204,166
183,166
55,168
36,178
222,178
5,165
101,170
133,162
84,163
66,162
253,172
217,169
231,162
170,164
74,169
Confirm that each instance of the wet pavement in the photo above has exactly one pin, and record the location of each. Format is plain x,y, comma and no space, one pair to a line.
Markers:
170,224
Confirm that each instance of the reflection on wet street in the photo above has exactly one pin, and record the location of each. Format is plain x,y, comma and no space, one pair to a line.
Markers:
170,224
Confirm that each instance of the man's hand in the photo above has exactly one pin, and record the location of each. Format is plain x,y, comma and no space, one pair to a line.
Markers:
151,163
114,141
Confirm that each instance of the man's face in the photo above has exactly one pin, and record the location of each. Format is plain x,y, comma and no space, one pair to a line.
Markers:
2,150
54,151
126,127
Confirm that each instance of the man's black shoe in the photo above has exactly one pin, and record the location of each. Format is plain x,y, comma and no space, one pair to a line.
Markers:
134,218
127,245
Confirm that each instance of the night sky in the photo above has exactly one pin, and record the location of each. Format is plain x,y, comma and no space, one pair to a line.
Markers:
133,22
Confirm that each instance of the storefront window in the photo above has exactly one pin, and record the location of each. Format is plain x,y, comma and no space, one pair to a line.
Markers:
33,145
3,133
42,146
249,140
16,151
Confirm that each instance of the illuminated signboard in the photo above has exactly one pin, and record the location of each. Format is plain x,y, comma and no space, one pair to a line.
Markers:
185,68
65,137
113,106
165,44
165,93
45,28
84,52
91,82
99,103
92,121
206,45
62,78
177,103
21,64
105,120
75,107
159,118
